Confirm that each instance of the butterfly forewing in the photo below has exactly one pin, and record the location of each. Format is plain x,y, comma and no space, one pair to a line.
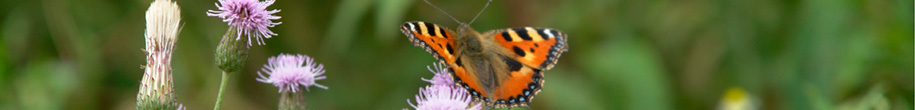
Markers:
536,47
435,39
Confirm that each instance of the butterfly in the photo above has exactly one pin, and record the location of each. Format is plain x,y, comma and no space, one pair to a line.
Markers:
502,68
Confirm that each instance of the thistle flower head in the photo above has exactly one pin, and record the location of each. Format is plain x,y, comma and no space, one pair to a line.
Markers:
443,97
249,18
290,71
162,26
162,20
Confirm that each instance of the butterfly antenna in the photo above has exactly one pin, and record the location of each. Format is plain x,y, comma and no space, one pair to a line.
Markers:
443,11
481,12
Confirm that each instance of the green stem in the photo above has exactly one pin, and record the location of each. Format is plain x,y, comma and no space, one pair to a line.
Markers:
222,90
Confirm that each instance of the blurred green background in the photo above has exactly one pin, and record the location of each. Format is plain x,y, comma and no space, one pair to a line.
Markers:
624,54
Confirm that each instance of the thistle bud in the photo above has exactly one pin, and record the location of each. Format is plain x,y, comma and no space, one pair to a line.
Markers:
231,53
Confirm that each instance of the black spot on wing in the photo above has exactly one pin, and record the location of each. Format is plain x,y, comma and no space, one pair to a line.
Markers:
450,49
543,35
522,32
513,64
441,31
457,61
519,51
429,28
506,37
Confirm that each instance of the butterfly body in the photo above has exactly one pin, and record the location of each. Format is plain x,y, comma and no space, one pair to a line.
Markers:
484,57
500,68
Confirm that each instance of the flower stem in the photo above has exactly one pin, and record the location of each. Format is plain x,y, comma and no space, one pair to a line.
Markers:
222,90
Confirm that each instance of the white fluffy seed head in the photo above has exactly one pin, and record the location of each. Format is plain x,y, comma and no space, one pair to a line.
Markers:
162,27
162,19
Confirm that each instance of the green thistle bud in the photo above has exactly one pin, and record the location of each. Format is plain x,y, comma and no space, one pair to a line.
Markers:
231,52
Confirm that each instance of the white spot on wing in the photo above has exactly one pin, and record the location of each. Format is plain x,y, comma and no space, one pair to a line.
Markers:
548,33
412,27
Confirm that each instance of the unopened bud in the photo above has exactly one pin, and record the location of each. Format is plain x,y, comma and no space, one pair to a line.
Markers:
231,53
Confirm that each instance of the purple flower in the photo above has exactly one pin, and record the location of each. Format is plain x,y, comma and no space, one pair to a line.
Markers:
443,97
249,17
288,72
442,76
442,94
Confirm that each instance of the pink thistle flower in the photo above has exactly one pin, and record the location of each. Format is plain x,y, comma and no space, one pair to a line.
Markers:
442,76
288,72
249,17
443,97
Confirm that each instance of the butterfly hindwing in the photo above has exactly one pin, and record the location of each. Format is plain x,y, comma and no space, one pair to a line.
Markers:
536,47
523,83
435,39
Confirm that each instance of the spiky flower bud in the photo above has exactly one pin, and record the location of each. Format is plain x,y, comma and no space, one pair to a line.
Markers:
231,53
156,89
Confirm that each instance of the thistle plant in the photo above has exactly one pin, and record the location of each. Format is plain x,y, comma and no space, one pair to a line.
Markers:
442,94
162,27
248,21
288,73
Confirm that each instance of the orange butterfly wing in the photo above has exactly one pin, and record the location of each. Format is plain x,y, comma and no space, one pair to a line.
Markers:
536,47
435,39
518,89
